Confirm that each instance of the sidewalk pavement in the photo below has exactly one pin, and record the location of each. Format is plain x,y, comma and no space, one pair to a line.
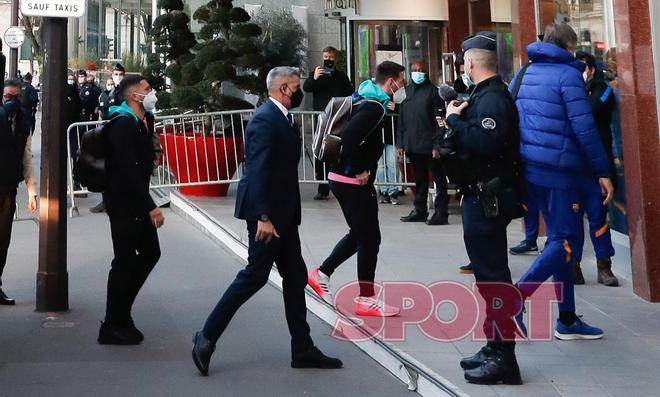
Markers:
623,363
56,354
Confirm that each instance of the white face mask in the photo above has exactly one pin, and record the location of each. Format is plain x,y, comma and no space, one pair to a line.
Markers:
81,80
117,78
399,95
149,101
467,80
71,82
110,87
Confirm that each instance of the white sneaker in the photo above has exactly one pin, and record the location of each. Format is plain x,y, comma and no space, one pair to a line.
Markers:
367,306
321,284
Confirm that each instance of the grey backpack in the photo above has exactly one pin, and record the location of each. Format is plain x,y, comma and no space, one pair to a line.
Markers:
330,125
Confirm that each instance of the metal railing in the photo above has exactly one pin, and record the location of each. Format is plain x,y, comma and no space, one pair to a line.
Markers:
207,149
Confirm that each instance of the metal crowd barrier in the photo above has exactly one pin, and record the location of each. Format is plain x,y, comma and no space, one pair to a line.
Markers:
207,149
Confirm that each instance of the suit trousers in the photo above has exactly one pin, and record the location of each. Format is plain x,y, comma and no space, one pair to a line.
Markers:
7,209
285,252
422,164
360,207
137,250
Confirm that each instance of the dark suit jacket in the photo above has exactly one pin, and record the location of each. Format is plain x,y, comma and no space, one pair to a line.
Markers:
269,185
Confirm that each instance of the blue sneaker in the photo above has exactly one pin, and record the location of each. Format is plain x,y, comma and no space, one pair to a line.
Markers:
578,330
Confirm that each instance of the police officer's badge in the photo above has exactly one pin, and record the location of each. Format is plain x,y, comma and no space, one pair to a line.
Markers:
488,123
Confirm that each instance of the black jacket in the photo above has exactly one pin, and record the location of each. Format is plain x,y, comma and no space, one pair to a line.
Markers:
335,85
12,148
362,140
417,130
601,98
89,97
72,106
30,99
128,166
485,136
269,186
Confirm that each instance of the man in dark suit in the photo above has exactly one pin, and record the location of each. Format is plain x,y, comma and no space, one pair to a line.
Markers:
268,199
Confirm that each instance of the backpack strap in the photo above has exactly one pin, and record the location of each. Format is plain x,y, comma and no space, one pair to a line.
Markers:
517,84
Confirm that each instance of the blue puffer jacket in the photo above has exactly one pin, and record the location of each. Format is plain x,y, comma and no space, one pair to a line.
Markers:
558,136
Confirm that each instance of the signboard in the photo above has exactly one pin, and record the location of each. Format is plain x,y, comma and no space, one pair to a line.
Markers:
393,56
14,37
53,8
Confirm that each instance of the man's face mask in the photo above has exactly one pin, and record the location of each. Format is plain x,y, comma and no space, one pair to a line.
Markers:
110,87
467,80
81,80
12,103
71,81
149,101
117,78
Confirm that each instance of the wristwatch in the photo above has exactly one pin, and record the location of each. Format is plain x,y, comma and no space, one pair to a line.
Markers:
264,218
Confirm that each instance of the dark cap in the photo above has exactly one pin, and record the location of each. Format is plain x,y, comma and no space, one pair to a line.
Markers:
27,77
120,68
480,40
82,72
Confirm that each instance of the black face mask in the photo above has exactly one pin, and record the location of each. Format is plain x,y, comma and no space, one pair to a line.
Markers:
296,98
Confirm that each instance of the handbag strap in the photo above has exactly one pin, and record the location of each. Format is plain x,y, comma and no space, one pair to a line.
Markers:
518,83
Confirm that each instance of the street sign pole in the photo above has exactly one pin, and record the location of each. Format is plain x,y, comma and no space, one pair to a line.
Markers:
52,276
13,52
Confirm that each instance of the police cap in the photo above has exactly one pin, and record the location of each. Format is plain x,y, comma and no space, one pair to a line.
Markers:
480,40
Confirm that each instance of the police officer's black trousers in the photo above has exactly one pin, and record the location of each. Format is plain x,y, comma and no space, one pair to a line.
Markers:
360,207
486,245
137,251
7,208
286,253
422,164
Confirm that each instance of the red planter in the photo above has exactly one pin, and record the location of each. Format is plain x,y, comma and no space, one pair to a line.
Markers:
196,158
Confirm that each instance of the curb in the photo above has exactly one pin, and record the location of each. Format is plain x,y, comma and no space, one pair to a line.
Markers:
415,375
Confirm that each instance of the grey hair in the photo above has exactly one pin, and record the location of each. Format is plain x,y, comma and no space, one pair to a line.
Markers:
484,58
278,73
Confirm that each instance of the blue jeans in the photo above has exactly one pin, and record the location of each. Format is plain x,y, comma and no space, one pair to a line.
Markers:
387,171
562,212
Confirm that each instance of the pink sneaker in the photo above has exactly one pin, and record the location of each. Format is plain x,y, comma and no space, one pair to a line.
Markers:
320,283
371,307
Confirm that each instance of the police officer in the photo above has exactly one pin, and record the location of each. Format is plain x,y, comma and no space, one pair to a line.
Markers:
89,98
104,99
481,147
30,100
118,73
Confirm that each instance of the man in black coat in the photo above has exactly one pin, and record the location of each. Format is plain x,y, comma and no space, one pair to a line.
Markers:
15,167
134,217
417,134
268,199
89,99
327,83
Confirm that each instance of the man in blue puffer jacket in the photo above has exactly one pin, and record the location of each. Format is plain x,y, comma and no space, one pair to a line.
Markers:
558,144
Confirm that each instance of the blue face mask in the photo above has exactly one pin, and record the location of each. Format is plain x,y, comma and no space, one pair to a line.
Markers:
418,77
12,105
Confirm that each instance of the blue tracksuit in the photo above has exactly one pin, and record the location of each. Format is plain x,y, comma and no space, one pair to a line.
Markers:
599,231
558,143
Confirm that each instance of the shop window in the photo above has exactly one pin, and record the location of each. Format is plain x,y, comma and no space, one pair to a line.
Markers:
397,41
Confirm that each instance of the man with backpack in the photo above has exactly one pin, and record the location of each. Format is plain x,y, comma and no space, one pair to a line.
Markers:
351,181
134,217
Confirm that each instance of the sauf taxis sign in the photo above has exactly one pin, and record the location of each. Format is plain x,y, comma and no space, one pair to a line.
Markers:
53,8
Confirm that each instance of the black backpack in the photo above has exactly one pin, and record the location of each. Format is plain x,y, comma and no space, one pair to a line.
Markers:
90,166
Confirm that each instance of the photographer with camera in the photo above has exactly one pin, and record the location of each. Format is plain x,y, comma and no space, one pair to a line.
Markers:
327,83
480,151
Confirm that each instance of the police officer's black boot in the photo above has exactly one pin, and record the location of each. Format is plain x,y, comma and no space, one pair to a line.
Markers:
605,275
477,359
415,216
578,277
500,366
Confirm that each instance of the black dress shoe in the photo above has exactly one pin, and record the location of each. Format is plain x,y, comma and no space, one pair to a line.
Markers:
201,352
437,220
314,358
476,360
415,216
112,334
499,367
134,330
5,300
